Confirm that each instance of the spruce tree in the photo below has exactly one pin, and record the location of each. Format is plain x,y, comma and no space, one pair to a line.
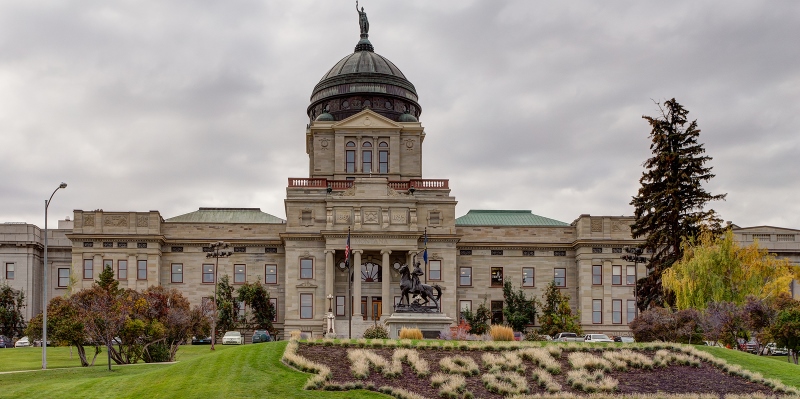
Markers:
671,203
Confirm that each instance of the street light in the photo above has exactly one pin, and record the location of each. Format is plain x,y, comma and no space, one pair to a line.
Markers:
44,286
216,251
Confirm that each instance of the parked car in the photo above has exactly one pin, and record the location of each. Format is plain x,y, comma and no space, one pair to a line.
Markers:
773,350
625,340
201,340
261,336
567,337
5,342
233,338
597,338
38,342
23,343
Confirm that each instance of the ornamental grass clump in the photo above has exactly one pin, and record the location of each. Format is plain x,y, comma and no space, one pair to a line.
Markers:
505,361
410,333
625,358
501,333
459,365
542,358
588,361
291,358
545,380
411,356
505,383
664,358
591,381
361,359
450,386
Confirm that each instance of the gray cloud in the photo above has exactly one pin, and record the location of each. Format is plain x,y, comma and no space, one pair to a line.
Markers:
527,105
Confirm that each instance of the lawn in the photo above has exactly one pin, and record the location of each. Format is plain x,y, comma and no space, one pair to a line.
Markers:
249,371
770,366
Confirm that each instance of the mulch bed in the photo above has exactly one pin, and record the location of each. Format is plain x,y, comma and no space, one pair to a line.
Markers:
672,379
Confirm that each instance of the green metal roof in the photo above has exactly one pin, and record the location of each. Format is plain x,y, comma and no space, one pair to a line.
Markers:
226,215
505,218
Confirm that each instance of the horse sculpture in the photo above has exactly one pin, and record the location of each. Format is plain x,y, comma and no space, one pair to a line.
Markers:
409,286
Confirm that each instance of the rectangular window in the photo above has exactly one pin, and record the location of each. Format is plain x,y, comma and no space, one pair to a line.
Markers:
239,276
630,275
631,310
527,277
122,270
240,312
497,312
462,306
141,270
616,275
364,307
616,311
274,302
366,161
271,273
122,245
560,277
435,270
177,273
497,277
88,269
306,268
9,271
559,253
597,275
465,277
597,311
383,161
108,245
306,306
340,305
350,161
497,252
208,273
597,250
108,263
465,252
63,277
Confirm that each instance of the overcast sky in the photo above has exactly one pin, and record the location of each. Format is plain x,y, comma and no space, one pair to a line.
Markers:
175,105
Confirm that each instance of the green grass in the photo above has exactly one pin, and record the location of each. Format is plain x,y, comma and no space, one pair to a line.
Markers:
769,366
249,371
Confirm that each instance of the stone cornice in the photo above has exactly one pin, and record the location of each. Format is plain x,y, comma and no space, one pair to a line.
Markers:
116,237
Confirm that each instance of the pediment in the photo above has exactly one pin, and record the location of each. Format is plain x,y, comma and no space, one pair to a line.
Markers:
765,230
367,119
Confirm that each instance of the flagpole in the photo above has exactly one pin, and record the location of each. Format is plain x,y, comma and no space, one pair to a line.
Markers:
349,282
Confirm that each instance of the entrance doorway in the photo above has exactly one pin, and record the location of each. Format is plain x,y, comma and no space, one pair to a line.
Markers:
377,308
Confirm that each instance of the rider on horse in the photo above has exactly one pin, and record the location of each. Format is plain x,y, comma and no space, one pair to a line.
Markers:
415,283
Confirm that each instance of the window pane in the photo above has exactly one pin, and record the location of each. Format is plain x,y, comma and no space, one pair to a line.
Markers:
9,271
366,161
340,306
306,268
306,308
497,277
631,310
177,273
616,311
274,302
630,275
465,277
122,270
208,273
597,275
435,272
272,274
141,270
350,161
497,312
88,272
462,306
63,277
239,274
597,307
560,277
527,277
616,275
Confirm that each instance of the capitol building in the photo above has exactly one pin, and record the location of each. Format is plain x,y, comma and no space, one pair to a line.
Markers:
364,141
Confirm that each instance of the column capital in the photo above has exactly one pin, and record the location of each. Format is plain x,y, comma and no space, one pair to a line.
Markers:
357,251
330,251
386,252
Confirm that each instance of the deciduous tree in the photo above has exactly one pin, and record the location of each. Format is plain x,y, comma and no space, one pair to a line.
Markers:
671,202
557,316
477,321
12,321
257,298
227,309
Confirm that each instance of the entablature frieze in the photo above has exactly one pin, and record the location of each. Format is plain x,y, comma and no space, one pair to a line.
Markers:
115,237
514,247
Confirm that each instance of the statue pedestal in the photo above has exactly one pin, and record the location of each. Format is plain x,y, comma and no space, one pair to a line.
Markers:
431,324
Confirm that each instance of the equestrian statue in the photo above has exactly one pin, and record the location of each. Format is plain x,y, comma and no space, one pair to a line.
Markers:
410,284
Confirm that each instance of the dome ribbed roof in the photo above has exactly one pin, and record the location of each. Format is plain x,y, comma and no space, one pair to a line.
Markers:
364,62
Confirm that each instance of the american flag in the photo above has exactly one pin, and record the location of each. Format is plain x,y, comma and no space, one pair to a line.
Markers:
425,254
347,250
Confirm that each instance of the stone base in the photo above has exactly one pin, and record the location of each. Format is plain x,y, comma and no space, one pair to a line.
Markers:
431,324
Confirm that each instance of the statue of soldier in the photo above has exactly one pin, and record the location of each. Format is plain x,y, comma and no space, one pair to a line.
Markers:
415,278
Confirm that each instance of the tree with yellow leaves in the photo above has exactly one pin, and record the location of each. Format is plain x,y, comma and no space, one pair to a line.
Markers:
717,269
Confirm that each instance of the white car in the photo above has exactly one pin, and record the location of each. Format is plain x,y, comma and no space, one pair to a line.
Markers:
597,338
233,338
23,342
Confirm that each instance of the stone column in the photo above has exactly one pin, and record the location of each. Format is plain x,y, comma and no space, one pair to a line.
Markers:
329,273
356,267
386,279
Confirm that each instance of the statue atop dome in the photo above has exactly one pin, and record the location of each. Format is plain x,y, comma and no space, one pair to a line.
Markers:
363,22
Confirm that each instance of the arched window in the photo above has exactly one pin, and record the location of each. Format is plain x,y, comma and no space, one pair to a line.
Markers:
350,158
366,144
383,158
371,273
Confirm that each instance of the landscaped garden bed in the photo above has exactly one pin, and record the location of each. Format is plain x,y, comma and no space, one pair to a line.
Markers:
432,369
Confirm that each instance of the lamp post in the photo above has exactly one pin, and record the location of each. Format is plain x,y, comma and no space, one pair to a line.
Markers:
216,251
330,314
635,256
44,274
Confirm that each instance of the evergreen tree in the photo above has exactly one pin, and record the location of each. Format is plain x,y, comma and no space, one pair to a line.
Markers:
519,310
12,321
228,311
671,203
257,298
557,315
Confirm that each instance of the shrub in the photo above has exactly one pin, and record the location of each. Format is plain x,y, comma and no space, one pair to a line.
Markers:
477,321
501,333
378,331
410,333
